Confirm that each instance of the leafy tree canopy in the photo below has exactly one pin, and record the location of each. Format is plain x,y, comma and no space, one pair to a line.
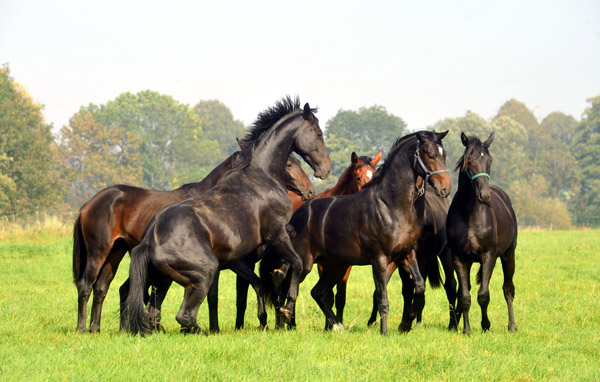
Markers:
219,125
28,170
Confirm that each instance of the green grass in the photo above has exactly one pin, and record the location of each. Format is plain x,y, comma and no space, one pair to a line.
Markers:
557,310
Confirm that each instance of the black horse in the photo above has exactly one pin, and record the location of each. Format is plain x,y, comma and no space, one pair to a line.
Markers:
432,244
481,227
376,226
188,241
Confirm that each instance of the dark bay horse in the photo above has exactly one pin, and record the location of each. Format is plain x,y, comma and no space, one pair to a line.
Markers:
431,245
377,226
113,221
249,207
481,227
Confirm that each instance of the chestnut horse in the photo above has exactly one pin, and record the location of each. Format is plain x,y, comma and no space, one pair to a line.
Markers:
112,222
481,227
376,226
355,176
249,207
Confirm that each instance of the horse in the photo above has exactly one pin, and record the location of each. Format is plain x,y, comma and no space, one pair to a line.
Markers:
112,222
431,245
354,177
481,226
376,226
249,207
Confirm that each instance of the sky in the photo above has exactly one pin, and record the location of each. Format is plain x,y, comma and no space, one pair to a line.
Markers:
422,60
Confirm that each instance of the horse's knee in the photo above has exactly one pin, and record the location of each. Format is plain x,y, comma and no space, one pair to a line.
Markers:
420,287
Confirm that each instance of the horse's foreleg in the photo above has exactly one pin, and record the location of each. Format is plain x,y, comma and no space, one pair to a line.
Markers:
450,287
340,295
464,287
508,268
284,247
488,261
381,278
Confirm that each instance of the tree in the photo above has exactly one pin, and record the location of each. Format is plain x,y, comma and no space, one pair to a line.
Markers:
554,158
586,150
219,125
366,131
172,147
28,170
93,158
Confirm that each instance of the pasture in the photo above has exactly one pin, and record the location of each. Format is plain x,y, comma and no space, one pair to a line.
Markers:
557,311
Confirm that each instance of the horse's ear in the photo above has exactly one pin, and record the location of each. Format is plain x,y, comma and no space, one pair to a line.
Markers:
307,112
354,158
421,136
443,135
489,141
376,159
464,139
239,142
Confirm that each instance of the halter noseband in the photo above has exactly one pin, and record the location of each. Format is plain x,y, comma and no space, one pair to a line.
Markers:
473,177
428,173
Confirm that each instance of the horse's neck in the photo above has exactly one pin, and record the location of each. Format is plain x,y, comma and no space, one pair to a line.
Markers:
271,153
344,184
398,185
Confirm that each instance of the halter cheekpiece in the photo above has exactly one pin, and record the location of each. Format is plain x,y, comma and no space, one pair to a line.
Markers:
428,173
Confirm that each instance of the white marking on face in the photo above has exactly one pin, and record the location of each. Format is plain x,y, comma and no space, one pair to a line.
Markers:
481,154
369,174
441,150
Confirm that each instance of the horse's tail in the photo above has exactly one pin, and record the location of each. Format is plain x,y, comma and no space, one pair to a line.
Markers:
133,318
433,273
79,250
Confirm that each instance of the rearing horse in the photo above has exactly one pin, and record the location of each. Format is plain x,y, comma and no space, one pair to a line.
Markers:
481,227
249,207
112,222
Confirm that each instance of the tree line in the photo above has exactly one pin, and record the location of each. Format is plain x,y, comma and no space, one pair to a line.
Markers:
550,168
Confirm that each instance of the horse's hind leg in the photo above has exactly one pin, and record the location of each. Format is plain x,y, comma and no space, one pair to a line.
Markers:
244,269
488,261
84,287
195,292
213,304
508,268
322,293
105,277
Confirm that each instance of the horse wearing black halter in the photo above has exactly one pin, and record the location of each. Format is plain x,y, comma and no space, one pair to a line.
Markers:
481,227
376,226
249,207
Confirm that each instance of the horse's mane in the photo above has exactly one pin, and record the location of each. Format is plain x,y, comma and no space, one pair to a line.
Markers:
396,147
269,117
474,143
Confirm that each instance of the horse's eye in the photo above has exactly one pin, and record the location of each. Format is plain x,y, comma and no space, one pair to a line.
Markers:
289,165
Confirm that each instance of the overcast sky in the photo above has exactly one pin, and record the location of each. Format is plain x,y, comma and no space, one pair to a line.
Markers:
422,60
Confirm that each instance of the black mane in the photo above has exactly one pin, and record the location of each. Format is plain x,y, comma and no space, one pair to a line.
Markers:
267,118
381,170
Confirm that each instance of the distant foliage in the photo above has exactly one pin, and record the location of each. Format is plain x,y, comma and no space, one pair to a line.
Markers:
366,131
219,125
28,169
585,206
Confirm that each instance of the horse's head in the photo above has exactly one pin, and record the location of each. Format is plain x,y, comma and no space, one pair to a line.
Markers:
363,169
309,144
296,179
430,162
476,164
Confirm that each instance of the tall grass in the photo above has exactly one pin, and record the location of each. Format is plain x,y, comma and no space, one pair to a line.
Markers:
557,310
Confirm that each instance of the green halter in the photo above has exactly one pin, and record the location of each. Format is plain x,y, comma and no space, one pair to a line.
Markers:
477,175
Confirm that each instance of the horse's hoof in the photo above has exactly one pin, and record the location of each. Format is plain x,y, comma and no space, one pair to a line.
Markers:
278,276
337,328
287,315
404,327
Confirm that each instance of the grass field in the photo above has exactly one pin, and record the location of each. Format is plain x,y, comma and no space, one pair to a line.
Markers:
557,310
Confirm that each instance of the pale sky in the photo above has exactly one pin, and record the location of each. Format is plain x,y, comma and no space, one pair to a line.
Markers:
422,60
